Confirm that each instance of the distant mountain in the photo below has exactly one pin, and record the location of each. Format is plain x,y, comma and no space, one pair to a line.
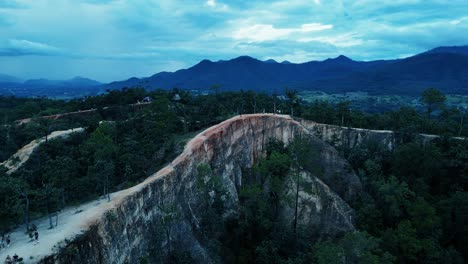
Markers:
445,68
270,61
248,73
75,82
4,78
75,87
447,72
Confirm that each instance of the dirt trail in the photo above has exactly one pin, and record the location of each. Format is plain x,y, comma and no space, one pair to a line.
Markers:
70,224
80,112
23,154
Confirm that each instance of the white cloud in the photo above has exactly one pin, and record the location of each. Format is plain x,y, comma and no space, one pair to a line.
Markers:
314,27
21,47
459,21
211,3
301,56
216,6
340,41
267,32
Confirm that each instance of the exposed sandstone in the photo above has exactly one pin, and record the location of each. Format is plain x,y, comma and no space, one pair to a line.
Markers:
132,224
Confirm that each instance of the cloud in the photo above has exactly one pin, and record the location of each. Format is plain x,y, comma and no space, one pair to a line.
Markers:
264,32
459,20
211,3
22,47
121,38
340,40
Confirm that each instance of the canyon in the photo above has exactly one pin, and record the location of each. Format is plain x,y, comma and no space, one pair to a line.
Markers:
135,221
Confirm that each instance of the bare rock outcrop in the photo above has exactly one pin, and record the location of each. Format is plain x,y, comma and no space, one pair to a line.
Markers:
136,221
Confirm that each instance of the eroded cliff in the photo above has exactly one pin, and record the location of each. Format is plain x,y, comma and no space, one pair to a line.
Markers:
164,211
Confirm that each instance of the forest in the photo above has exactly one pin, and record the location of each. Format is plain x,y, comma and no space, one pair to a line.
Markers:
413,207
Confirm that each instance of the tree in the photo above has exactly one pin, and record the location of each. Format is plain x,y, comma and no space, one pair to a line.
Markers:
360,247
23,192
299,150
62,173
274,102
13,192
101,149
215,88
394,196
328,252
344,111
49,199
293,99
46,126
433,99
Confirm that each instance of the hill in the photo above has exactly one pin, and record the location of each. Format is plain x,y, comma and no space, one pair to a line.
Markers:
445,68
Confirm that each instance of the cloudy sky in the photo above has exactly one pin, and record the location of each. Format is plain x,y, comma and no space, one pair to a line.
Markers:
117,39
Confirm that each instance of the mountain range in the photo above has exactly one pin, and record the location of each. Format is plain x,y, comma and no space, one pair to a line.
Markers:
445,68
75,87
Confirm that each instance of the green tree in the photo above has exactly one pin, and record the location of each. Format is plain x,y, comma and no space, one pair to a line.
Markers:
16,201
48,197
433,99
293,100
304,154
394,196
344,112
101,150
328,252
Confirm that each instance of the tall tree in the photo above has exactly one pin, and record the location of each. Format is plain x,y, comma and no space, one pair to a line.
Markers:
293,99
433,99
15,196
101,149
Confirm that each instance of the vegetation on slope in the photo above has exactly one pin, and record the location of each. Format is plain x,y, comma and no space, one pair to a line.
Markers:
413,208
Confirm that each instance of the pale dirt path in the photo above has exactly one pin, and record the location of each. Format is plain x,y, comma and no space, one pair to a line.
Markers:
23,154
80,112
71,222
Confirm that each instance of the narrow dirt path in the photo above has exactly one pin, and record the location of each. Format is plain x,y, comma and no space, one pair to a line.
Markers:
23,154
70,224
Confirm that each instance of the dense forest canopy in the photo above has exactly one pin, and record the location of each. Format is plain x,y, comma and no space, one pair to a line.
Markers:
413,208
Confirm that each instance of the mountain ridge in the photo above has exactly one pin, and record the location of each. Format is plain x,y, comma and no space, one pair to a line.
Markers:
339,74
445,68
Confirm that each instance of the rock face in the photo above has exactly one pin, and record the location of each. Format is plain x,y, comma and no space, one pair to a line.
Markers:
350,137
163,212
321,212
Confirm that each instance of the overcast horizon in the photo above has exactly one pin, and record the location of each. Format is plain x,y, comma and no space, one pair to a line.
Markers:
110,40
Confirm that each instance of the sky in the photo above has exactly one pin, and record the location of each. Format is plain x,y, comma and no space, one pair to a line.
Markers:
110,40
